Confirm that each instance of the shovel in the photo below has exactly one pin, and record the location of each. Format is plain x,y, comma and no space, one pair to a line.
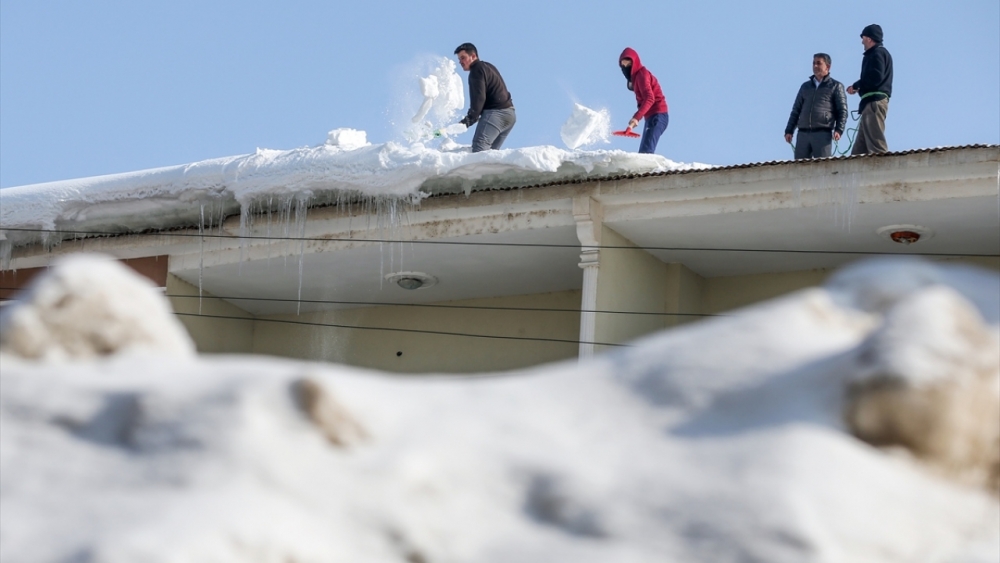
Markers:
627,133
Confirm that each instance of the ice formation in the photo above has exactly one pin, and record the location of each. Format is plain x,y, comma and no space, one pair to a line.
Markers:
586,126
718,441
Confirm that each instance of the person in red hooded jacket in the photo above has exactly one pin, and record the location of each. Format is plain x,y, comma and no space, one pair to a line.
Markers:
649,98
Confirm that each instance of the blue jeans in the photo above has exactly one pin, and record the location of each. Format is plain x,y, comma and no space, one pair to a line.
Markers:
655,126
492,129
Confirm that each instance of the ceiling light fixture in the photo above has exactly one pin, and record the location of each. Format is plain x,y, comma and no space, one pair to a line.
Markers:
905,234
411,280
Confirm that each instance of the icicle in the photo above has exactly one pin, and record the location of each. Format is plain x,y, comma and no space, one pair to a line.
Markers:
6,250
201,257
301,205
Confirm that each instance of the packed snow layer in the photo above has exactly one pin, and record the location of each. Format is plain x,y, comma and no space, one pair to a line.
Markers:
344,168
721,441
586,127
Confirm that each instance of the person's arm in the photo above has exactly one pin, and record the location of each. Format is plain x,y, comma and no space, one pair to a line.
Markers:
477,95
840,109
793,118
643,86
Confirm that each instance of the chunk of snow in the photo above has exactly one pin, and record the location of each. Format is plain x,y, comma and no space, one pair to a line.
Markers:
586,127
87,306
347,139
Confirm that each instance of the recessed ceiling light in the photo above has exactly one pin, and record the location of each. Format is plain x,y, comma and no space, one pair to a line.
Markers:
905,234
411,280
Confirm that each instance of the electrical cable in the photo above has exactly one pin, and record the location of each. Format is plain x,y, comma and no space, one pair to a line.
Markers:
516,244
409,330
423,305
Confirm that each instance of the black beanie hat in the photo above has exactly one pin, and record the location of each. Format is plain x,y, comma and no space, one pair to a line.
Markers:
873,31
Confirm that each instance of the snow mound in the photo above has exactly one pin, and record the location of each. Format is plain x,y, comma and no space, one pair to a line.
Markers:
586,127
928,380
719,441
88,306
347,139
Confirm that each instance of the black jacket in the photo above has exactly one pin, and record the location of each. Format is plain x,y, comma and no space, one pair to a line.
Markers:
876,75
822,107
486,91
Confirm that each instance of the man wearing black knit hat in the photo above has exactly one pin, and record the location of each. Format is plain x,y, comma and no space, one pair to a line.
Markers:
875,88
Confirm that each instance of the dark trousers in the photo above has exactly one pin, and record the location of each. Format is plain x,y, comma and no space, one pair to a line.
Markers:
655,126
813,144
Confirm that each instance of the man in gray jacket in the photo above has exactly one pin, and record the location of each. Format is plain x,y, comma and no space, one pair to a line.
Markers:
819,112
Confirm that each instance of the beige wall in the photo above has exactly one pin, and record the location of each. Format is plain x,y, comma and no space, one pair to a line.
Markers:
725,294
629,280
211,335
400,351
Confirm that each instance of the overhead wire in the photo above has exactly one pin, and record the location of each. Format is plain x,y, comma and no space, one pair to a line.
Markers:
507,244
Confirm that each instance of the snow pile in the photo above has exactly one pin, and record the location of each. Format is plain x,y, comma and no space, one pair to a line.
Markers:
88,306
586,127
720,441
347,139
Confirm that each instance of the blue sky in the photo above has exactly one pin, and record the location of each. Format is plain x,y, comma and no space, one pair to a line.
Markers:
90,88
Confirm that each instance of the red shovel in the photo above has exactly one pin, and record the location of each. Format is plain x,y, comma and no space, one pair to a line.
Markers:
627,133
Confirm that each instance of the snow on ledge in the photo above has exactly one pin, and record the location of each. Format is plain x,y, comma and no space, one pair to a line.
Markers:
344,167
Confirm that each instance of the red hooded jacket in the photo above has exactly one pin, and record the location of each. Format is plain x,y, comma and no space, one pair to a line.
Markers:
648,94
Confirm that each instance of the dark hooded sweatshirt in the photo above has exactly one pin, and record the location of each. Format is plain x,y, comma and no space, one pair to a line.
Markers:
486,91
648,95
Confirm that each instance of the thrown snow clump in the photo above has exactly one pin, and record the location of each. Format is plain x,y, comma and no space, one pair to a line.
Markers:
87,306
347,139
586,127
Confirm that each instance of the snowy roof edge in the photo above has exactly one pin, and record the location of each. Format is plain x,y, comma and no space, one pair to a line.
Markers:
804,162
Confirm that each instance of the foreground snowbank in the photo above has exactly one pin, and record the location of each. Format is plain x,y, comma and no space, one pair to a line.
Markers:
721,441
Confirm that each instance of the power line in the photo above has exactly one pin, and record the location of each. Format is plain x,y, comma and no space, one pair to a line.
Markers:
438,306
505,244
410,330
422,305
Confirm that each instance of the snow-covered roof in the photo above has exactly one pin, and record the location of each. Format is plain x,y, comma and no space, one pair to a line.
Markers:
351,169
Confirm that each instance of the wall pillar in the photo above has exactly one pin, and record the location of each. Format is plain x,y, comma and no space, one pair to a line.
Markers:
589,221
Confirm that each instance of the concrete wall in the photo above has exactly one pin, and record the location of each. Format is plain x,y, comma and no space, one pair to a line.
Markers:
416,352
632,281
211,335
727,293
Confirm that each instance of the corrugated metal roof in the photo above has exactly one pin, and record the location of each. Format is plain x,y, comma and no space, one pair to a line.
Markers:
807,162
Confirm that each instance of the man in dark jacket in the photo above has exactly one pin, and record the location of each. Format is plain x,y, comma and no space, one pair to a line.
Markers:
875,87
648,96
489,101
819,112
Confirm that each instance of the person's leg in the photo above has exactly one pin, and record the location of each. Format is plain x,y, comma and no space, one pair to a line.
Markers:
486,132
651,132
506,119
822,145
876,133
860,146
802,148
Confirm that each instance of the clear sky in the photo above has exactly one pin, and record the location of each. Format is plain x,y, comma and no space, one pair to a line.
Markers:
100,87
